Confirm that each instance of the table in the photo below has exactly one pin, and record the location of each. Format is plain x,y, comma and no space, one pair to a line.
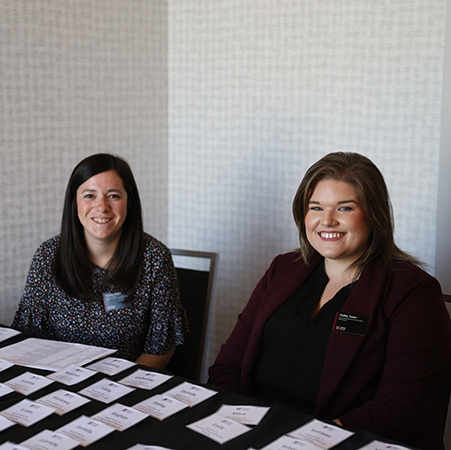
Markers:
171,432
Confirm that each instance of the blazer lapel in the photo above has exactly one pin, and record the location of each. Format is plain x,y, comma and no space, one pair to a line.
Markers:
287,283
282,287
343,347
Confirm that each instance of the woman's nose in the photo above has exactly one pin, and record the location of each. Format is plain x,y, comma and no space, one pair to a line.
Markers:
328,219
102,204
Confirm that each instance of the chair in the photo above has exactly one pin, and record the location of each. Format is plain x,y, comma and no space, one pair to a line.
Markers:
445,389
196,288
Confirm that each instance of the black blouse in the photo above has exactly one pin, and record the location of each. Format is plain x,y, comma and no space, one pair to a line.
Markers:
294,345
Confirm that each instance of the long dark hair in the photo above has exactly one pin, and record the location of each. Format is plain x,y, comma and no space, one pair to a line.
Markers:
72,267
369,184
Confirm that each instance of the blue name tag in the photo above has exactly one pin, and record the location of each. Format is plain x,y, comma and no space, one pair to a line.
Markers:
115,300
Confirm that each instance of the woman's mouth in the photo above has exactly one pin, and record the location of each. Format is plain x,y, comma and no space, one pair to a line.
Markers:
330,235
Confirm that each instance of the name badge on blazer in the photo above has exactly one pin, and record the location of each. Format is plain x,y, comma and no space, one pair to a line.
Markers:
351,323
115,300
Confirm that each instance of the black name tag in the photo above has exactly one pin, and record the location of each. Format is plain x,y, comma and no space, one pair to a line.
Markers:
351,323
115,300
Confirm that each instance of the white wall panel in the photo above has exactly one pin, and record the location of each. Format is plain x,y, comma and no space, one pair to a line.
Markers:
76,77
260,89
443,256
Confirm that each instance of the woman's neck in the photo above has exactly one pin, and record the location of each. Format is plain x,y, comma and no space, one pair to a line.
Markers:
340,273
101,253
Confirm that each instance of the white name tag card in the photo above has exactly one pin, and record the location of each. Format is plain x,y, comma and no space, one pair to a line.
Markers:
120,417
49,440
111,366
28,382
247,415
321,434
6,333
145,447
144,379
27,413
63,401
160,406
71,375
288,442
5,423
10,446
218,428
189,393
106,391
378,445
85,430
5,365
4,389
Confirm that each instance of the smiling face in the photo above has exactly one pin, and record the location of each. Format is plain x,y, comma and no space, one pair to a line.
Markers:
102,208
334,223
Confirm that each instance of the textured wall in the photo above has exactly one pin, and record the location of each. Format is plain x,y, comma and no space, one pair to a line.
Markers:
443,256
76,77
260,89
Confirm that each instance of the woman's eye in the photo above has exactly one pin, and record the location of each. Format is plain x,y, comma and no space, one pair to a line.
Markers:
346,208
89,196
315,208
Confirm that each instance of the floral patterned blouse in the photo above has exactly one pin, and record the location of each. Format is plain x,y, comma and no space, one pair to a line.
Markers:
154,322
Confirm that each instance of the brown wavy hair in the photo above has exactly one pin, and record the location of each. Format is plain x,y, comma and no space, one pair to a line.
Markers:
369,185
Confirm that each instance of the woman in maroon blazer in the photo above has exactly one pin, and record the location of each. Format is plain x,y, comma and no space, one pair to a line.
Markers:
349,327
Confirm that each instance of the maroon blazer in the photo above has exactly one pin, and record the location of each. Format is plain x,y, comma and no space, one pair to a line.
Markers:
385,381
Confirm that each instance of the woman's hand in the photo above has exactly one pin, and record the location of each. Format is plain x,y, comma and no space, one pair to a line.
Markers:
157,361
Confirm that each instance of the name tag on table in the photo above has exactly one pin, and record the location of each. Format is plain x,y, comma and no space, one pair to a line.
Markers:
11,446
321,434
219,428
63,401
4,390
85,430
351,323
120,417
106,391
5,423
247,415
111,366
28,382
147,447
189,393
288,442
145,379
5,365
71,375
160,406
6,333
49,440
115,300
27,413
378,445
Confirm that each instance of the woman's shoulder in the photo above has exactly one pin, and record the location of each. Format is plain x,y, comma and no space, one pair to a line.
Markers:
416,275
44,256
153,248
292,263
153,243
403,277
294,259
49,247
401,270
